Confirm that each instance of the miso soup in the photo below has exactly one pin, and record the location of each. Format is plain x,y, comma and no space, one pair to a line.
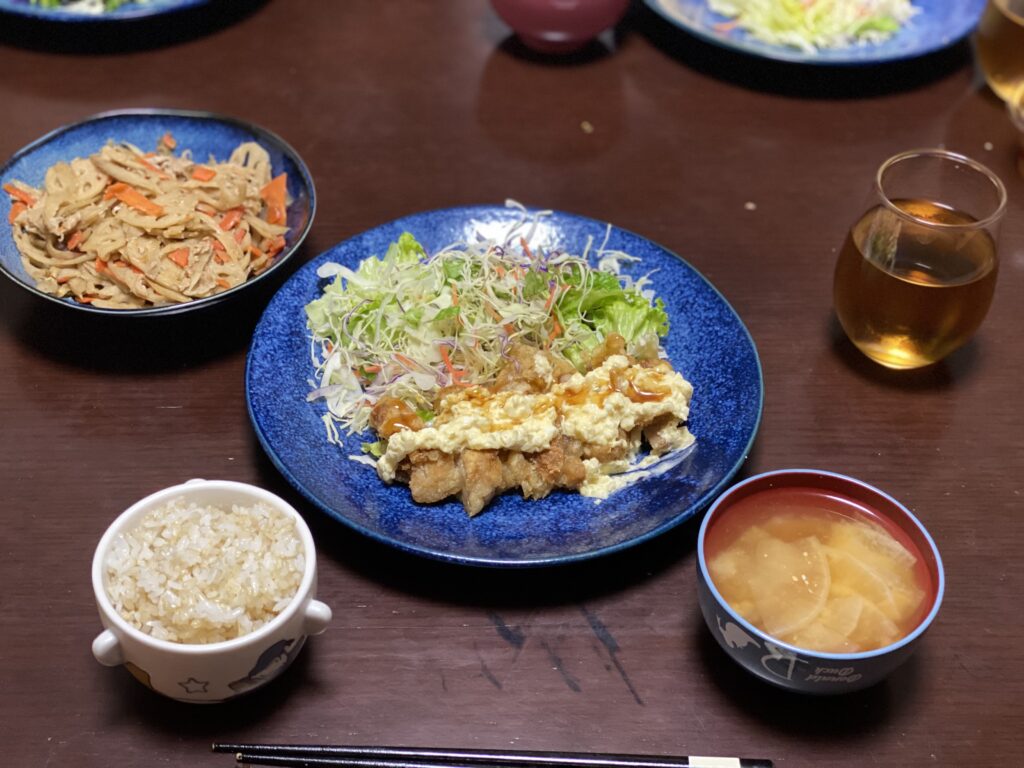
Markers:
818,570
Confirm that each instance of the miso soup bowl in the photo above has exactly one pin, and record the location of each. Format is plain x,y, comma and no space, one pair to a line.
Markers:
787,666
210,672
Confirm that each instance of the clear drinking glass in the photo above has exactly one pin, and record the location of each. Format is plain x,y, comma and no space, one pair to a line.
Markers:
1000,45
916,274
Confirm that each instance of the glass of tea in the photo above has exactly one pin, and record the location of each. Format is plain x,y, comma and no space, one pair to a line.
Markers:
916,274
1000,45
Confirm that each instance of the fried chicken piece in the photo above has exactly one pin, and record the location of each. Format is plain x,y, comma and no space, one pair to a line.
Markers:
519,471
613,344
483,479
561,465
663,434
391,415
433,476
530,370
537,474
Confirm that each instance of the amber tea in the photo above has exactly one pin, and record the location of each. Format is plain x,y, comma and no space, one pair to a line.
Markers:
1000,46
907,293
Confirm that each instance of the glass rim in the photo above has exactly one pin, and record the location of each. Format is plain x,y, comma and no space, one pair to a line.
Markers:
943,154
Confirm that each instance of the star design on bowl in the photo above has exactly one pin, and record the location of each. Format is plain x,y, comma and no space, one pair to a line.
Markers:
194,686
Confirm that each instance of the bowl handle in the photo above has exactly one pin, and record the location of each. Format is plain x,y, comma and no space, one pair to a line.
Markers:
107,649
318,616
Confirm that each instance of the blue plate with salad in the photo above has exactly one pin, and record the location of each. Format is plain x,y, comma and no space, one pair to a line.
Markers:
95,10
393,325
840,32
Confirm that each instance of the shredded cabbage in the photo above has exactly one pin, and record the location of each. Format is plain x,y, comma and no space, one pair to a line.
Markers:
83,6
409,323
813,24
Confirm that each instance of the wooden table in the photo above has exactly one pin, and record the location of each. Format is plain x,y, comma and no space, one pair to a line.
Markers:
750,170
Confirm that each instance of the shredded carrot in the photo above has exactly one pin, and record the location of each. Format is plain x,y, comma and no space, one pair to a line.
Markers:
202,173
19,194
455,296
405,361
16,210
169,141
500,270
231,218
223,283
371,368
100,265
150,167
457,374
274,195
556,331
75,240
134,269
240,234
63,279
526,248
132,197
179,257
275,246
86,299
551,297
209,210
257,254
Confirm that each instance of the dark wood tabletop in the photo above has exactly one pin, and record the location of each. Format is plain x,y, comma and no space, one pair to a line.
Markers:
751,170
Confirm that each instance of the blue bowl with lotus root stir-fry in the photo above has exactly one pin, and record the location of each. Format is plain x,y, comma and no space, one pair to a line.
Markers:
149,212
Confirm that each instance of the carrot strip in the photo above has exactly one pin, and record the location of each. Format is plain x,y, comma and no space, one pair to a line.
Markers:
457,374
99,265
202,173
218,245
16,210
239,235
408,363
223,283
75,240
150,167
19,194
556,331
551,297
132,198
168,141
275,246
86,299
179,257
274,195
526,248
231,218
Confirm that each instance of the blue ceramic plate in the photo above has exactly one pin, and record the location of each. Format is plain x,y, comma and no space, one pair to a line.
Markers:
707,343
130,10
201,132
939,24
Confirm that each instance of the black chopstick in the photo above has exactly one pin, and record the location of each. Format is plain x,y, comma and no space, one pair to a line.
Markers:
317,756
